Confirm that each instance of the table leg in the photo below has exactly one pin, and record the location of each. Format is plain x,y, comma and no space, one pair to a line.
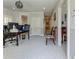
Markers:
46,41
28,36
3,42
53,40
20,36
17,40
23,36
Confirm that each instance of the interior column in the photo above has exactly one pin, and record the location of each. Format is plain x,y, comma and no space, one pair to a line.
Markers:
59,25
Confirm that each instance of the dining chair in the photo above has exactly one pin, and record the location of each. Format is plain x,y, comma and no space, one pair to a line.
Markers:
50,35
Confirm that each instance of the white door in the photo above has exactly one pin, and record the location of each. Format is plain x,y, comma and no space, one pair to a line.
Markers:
36,26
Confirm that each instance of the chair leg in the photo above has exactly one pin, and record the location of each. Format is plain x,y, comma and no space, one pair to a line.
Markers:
20,36
17,41
3,42
28,36
62,41
46,41
53,41
23,36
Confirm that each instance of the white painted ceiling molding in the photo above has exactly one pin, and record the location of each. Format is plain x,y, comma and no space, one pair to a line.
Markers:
32,5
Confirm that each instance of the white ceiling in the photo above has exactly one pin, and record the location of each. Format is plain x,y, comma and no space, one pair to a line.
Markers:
32,5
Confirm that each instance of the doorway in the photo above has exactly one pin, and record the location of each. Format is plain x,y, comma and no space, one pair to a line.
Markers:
36,26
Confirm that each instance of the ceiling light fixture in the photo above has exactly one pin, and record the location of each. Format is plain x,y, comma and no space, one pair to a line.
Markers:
19,4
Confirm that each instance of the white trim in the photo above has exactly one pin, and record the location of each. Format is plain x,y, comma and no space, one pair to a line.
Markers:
68,29
36,34
59,26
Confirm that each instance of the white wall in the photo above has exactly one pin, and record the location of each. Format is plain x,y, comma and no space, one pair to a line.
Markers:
7,16
35,19
71,26
64,11
72,29
57,22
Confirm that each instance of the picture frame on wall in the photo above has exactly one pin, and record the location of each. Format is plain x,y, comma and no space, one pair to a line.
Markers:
54,16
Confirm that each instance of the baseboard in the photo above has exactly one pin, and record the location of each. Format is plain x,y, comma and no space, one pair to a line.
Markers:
36,34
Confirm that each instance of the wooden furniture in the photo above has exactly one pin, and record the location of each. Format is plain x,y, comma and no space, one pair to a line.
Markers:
64,34
7,34
24,29
47,24
10,25
11,35
50,36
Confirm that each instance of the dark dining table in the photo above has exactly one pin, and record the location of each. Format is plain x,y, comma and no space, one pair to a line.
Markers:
8,35
11,35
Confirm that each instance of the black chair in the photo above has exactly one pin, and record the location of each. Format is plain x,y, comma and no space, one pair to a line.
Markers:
10,25
24,28
7,34
5,28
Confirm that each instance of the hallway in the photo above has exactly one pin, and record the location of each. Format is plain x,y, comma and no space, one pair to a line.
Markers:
34,48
